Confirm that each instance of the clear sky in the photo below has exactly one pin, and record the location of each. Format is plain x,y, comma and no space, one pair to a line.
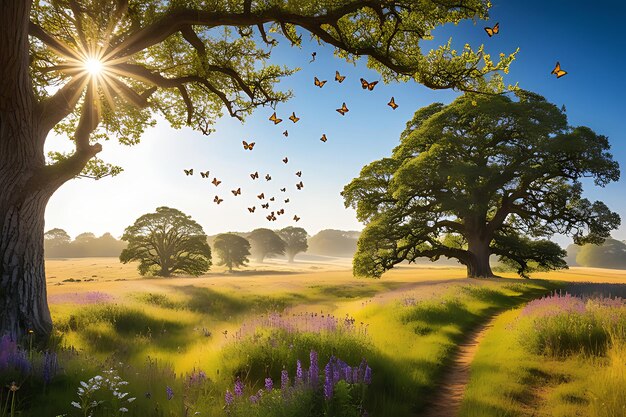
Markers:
586,37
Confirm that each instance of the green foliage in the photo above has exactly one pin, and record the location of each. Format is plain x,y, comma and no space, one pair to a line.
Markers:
332,242
485,174
265,243
610,254
167,242
233,250
295,239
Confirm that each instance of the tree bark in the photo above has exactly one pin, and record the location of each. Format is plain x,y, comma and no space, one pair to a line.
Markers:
478,260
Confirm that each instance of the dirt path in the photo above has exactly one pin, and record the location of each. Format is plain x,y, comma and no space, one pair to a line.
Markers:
447,401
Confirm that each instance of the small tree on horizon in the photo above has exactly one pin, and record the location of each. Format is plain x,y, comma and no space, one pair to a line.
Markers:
265,243
481,176
295,239
232,250
167,242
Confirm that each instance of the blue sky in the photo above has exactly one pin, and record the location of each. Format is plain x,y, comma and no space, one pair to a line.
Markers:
587,39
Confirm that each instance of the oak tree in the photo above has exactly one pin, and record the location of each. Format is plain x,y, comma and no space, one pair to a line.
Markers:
232,250
295,239
265,243
481,176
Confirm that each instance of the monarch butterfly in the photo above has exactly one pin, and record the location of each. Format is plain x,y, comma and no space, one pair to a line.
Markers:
272,199
296,218
368,86
268,177
324,138
392,103
313,55
339,78
254,175
188,171
275,119
318,83
261,196
287,200
285,133
300,186
236,192
293,117
217,199
271,217
247,146
556,71
285,159
204,174
251,209
216,182
266,205
283,189
343,110
493,31
299,173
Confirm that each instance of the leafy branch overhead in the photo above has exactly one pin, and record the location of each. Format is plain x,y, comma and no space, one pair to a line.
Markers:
191,61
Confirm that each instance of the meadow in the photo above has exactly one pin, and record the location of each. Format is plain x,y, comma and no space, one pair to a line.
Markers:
308,339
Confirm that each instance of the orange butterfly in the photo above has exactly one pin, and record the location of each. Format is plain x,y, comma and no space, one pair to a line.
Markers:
287,200
261,196
368,86
247,146
300,186
293,117
254,175
296,218
236,192
392,103
343,110
204,174
493,31
556,71
272,199
283,189
339,78
216,182
299,173
285,133
188,171
319,83
217,199
275,119
285,159
265,206
271,217
251,209
324,138
268,177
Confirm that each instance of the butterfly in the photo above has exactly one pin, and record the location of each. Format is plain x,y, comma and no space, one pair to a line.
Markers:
268,177
293,117
251,209
324,138
271,217
493,31
272,199
300,186
188,171
313,55
285,159
236,192
343,110
283,189
299,173
217,199
339,78
275,119
261,196
247,146
318,83
287,200
204,174
285,133
296,218
281,211
216,182
392,103
255,175
266,205
368,86
556,71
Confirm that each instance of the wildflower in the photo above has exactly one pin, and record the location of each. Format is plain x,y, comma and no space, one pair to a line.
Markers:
299,373
229,398
367,378
269,384
14,387
170,392
50,366
284,380
254,399
238,387
123,410
328,381
314,369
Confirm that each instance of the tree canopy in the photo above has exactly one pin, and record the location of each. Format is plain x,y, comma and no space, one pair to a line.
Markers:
484,175
167,242
295,239
233,250
610,254
265,243
331,242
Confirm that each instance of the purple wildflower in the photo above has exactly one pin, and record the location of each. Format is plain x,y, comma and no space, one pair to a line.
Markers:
367,378
328,381
170,392
238,387
50,366
254,399
12,357
299,373
347,372
229,398
269,384
314,369
284,380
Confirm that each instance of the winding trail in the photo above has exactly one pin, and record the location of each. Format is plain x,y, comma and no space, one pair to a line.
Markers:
447,401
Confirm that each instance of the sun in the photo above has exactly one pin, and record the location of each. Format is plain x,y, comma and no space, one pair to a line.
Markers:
94,66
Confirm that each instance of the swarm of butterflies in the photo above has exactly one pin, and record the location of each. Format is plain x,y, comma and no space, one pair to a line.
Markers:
267,203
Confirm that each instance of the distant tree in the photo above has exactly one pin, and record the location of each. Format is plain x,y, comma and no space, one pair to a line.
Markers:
295,239
233,250
265,243
610,254
332,242
491,171
107,245
56,243
167,242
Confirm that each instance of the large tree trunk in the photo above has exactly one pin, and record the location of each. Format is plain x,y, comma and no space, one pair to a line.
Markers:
478,260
